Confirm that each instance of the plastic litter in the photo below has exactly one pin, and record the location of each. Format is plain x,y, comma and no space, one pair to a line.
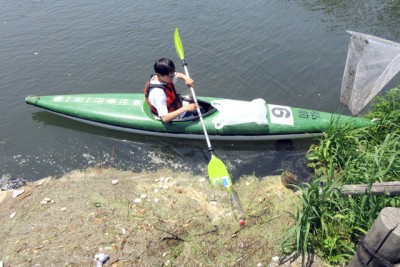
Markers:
100,259
236,207
232,112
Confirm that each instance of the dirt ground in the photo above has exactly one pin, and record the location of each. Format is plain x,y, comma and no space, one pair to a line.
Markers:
142,219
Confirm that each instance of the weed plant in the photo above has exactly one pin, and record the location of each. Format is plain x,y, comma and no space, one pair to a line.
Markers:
329,222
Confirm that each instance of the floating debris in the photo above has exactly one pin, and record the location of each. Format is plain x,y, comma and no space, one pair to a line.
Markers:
7,183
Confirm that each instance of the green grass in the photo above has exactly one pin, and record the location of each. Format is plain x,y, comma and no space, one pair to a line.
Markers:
328,222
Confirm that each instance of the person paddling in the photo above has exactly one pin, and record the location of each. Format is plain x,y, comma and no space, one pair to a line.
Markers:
161,95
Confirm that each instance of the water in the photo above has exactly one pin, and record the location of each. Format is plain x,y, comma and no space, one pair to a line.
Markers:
286,52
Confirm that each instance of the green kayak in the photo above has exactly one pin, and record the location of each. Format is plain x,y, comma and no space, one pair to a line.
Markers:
130,113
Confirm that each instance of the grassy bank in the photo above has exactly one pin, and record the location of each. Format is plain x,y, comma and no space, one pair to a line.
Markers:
330,222
142,219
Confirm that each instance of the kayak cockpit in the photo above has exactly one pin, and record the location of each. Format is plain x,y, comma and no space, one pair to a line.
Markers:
206,109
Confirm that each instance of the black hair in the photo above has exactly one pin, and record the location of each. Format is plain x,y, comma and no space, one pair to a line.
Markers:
164,66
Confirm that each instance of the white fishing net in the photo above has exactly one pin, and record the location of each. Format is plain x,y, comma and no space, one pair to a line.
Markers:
371,63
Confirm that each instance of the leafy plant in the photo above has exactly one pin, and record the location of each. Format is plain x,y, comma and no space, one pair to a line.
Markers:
329,222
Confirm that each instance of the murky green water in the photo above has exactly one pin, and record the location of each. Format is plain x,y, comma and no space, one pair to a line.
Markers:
286,52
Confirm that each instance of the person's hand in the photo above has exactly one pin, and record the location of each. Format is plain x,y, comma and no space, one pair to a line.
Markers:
189,82
191,107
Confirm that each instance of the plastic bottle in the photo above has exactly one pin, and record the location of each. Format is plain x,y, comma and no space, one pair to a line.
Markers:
236,207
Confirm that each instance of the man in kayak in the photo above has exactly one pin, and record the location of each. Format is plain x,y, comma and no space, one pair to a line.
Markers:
161,95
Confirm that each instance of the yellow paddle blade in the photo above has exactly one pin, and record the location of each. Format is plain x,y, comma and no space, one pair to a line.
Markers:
218,173
178,45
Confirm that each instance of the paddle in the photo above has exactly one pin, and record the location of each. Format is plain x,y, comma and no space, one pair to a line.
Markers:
217,172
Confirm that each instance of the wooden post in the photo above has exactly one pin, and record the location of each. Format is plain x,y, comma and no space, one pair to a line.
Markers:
389,188
381,246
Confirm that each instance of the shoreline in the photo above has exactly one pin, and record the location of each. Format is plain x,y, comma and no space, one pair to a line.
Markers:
157,218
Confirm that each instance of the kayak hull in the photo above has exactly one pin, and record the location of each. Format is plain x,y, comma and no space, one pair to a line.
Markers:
130,113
